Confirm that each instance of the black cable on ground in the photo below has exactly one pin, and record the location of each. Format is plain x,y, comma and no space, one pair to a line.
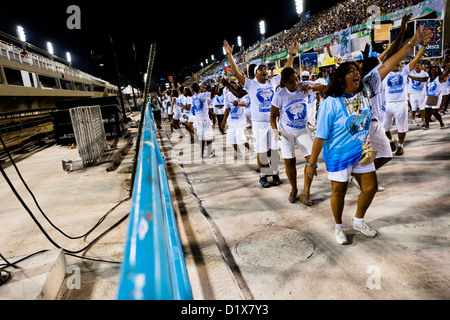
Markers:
40,226
5,275
42,212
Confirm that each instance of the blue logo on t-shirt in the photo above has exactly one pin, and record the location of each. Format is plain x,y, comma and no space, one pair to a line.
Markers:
198,104
358,125
416,85
265,96
296,112
395,83
432,88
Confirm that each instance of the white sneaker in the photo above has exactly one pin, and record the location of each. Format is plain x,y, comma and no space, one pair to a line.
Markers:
414,122
340,235
364,229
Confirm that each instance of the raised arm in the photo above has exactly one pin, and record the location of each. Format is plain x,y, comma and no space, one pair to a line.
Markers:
419,55
388,65
445,74
293,50
233,65
396,44
424,79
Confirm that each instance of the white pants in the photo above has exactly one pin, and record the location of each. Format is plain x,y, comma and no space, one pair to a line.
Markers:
399,111
236,132
417,102
264,137
378,140
204,129
289,140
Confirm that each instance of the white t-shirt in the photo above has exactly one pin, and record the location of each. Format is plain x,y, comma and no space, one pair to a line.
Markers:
417,87
237,113
293,109
395,85
186,101
200,102
261,96
433,88
373,86
219,104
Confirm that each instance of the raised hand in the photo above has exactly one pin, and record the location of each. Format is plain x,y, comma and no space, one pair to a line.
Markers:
228,49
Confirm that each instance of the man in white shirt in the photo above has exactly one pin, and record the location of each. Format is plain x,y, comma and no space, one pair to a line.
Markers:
200,101
395,90
416,90
261,91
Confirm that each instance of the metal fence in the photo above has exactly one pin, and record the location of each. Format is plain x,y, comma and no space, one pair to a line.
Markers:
153,267
89,133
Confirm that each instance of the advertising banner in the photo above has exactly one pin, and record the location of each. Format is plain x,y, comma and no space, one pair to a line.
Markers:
435,47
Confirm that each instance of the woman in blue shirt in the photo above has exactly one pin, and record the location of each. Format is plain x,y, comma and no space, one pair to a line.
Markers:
343,124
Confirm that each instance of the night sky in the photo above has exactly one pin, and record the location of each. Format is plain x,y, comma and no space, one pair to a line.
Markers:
186,33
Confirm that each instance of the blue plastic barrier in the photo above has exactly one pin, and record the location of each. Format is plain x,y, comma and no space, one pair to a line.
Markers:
153,267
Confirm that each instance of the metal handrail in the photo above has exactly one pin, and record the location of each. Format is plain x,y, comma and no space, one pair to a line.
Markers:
153,267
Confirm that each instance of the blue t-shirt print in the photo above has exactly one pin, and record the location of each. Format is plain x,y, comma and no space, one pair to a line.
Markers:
296,112
265,96
198,104
395,83
344,134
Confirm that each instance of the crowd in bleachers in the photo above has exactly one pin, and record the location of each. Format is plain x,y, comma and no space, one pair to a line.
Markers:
350,12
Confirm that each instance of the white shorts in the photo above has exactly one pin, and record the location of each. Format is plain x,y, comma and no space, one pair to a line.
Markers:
379,141
236,132
289,140
417,102
399,111
264,137
344,175
176,113
191,118
204,129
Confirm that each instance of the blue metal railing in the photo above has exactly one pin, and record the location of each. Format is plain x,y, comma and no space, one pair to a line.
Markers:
154,267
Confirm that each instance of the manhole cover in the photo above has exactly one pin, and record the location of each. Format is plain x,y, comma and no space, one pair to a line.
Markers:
275,248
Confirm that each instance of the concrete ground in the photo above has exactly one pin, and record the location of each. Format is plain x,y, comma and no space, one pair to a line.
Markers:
242,241
74,202
281,251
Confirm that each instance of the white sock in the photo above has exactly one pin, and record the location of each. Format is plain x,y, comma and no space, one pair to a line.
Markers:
275,160
358,220
400,145
338,225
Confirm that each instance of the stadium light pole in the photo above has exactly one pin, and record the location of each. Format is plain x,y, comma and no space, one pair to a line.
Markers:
299,5
69,58
50,49
21,34
262,29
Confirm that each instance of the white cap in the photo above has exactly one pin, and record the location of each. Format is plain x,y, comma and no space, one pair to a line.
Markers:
305,74
260,64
